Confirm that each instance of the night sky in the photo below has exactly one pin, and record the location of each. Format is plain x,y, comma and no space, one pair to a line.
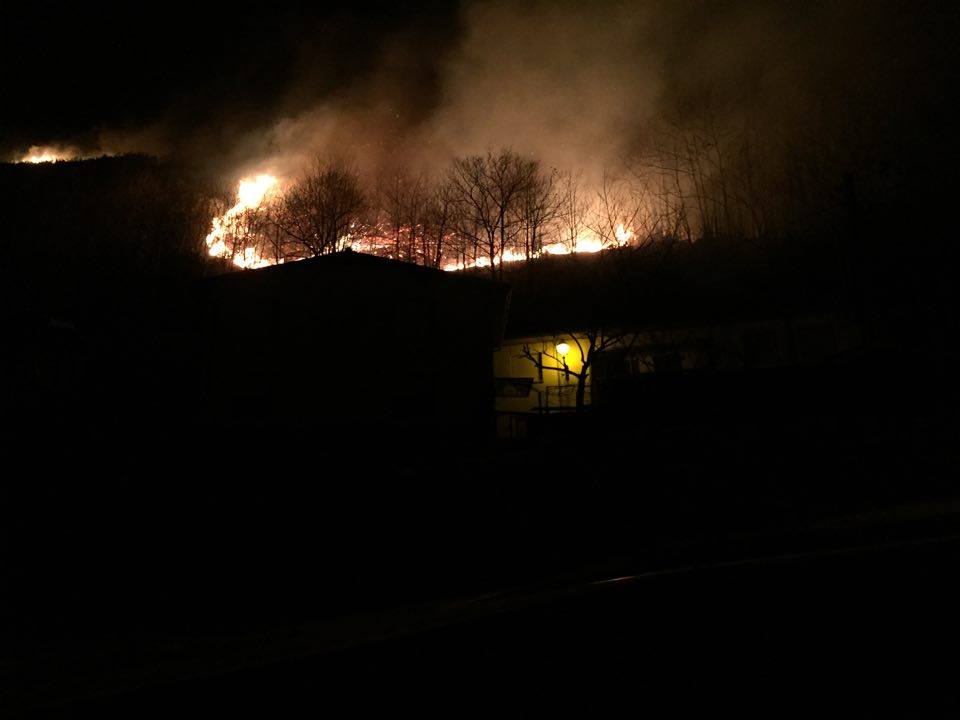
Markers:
71,69
230,84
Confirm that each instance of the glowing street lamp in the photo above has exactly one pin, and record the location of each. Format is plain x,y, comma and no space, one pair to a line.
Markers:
562,350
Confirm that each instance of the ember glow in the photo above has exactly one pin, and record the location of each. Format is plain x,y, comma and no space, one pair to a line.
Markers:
232,237
586,243
42,154
251,194
624,235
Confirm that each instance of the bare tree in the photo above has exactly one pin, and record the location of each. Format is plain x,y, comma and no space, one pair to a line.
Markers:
322,209
618,210
714,177
402,199
273,241
573,209
440,220
539,206
590,344
488,192
660,168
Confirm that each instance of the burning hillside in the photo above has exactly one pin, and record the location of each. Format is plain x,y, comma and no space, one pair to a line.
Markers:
621,130
230,227
486,211
44,154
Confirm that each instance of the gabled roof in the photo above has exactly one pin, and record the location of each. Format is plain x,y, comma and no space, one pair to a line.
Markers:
366,266
355,287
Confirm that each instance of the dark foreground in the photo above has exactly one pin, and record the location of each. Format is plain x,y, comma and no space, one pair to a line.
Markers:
861,630
795,560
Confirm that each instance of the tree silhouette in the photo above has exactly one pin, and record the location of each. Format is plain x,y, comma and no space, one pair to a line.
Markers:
319,212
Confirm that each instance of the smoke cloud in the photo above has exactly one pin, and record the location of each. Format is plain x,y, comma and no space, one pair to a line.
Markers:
578,85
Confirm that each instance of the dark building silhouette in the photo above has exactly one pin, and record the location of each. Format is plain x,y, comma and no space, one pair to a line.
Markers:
352,342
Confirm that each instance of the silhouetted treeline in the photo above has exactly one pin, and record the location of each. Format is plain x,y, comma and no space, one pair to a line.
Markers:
78,236
100,259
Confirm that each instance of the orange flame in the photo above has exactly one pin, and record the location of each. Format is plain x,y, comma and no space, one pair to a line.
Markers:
250,194
586,243
44,154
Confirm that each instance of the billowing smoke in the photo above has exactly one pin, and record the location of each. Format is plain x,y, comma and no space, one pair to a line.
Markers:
569,83
578,85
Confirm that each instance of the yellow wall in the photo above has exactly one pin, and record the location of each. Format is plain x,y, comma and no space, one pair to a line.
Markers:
725,341
555,387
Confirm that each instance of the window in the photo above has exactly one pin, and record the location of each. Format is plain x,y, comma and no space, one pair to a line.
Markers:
515,387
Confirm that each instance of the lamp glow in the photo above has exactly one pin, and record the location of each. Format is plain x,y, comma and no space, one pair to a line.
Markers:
563,349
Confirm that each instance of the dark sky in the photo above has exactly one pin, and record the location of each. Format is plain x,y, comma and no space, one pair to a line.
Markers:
69,68
241,84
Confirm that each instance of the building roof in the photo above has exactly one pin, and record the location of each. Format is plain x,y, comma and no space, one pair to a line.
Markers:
361,289
348,261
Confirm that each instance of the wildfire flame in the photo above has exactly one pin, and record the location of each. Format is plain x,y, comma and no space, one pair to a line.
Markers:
588,242
42,154
624,235
250,194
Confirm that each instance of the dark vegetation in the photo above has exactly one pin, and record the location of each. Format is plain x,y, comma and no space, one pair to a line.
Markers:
100,259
